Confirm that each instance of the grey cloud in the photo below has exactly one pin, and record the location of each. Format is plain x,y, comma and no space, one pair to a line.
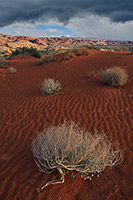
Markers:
101,28
31,10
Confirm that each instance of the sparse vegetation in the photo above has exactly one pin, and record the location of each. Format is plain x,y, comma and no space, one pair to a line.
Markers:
65,54
90,74
94,47
48,58
114,77
131,50
68,147
12,70
57,56
35,53
3,64
50,86
25,50
81,51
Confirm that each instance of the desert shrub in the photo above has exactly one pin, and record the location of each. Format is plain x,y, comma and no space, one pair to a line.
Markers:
65,54
12,70
68,147
41,62
90,74
131,50
68,54
49,58
25,50
35,53
3,63
20,51
50,86
81,51
7,57
3,67
92,47
57,56
115,77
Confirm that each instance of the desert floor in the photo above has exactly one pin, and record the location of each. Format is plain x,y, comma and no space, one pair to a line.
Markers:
24,112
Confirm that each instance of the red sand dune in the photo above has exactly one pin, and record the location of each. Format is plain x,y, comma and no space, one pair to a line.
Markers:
25,112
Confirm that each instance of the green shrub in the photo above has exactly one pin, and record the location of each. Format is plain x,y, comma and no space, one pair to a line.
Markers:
115,77
3,62
7,57
131,50
3,67
50,86
35,53
25,50
68,147
41,62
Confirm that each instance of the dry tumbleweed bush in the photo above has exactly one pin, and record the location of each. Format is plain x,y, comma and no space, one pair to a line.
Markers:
12,70
114,76
50,86
68,147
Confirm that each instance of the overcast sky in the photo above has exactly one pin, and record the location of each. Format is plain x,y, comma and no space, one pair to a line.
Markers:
105,19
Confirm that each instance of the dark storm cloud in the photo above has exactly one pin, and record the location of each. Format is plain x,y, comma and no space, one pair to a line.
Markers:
31,10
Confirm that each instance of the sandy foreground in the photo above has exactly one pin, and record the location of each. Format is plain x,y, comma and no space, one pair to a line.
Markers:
24,112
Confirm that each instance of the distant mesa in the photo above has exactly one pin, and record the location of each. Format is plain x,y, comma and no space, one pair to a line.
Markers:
8,43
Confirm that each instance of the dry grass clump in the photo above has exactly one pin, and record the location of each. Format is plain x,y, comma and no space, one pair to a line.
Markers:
68,147
50,86
91,74
12,70
115,77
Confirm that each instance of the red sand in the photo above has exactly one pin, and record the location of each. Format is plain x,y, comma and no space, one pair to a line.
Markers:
25,112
